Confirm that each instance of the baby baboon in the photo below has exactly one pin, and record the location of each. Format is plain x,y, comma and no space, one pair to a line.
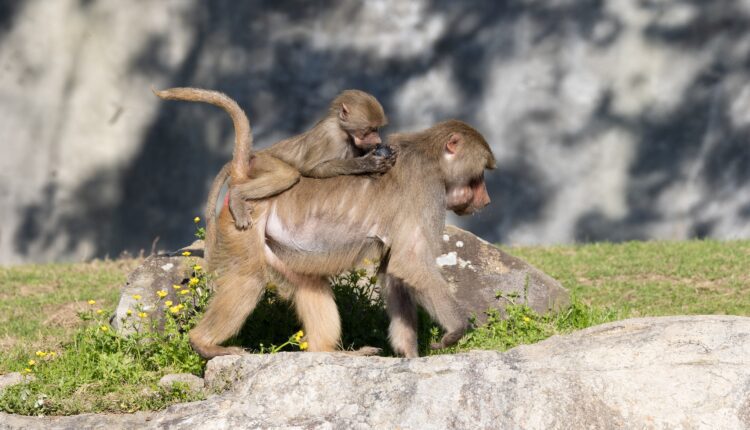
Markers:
322,227
337,145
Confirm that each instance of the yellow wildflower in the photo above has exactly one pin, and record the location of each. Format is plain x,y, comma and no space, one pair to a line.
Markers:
129,312
142,314
176,286
168,303
27,370
186,254
161,293
367,261
99,311
104,328
137,296
193,282
299,335
40,353
185,291
197,219
197,268
92,302
52,353
175,309
526,319
303,346
32,362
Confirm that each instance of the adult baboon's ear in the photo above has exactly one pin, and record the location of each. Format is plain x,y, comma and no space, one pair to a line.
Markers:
344,112
454,141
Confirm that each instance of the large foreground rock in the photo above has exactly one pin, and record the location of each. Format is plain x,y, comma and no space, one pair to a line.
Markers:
475,269
671,372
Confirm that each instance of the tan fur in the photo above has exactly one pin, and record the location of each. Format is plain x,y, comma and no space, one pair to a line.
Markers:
243,140
304,234
335,146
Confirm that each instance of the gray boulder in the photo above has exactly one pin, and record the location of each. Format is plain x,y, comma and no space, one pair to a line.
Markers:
669,372
477,271
158,272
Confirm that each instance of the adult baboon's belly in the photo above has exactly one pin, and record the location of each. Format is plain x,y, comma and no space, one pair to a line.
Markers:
318,246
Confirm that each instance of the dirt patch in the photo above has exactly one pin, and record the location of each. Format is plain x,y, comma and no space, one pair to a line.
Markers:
125,265
27,290
66,315
7,342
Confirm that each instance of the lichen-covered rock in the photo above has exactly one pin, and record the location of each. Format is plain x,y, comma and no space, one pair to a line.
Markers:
477,271
157,273
669,372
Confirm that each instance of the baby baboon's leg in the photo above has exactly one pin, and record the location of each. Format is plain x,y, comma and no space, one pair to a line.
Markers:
269,176
402,311
234,299
316,308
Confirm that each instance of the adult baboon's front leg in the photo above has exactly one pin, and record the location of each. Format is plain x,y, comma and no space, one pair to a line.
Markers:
402,311
433,293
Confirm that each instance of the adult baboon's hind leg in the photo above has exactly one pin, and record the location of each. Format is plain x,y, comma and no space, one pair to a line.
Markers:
316,308
234,299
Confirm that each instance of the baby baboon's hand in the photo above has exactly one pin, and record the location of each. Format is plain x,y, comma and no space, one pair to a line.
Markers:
380,160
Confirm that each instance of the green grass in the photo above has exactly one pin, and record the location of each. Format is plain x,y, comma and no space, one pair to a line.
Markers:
95,372
38,303
652,278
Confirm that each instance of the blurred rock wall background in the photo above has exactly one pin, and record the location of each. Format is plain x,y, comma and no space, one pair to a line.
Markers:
611,120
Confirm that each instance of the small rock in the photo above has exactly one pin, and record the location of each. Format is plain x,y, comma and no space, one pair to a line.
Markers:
193,382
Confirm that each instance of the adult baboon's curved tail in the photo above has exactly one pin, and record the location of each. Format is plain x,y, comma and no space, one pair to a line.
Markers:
243,144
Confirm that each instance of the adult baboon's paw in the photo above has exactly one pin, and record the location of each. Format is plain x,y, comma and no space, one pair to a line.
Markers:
235,350
368,351
365,351
449,339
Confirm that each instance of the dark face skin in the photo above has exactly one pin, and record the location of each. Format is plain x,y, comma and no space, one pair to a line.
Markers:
366,139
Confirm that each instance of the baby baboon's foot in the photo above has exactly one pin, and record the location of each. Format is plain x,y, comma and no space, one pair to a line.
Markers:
243,222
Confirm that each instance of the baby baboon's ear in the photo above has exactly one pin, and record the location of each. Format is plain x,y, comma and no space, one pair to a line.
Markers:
344,112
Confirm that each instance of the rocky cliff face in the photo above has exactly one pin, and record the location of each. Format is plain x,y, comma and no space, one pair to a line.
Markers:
673,372
610,120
